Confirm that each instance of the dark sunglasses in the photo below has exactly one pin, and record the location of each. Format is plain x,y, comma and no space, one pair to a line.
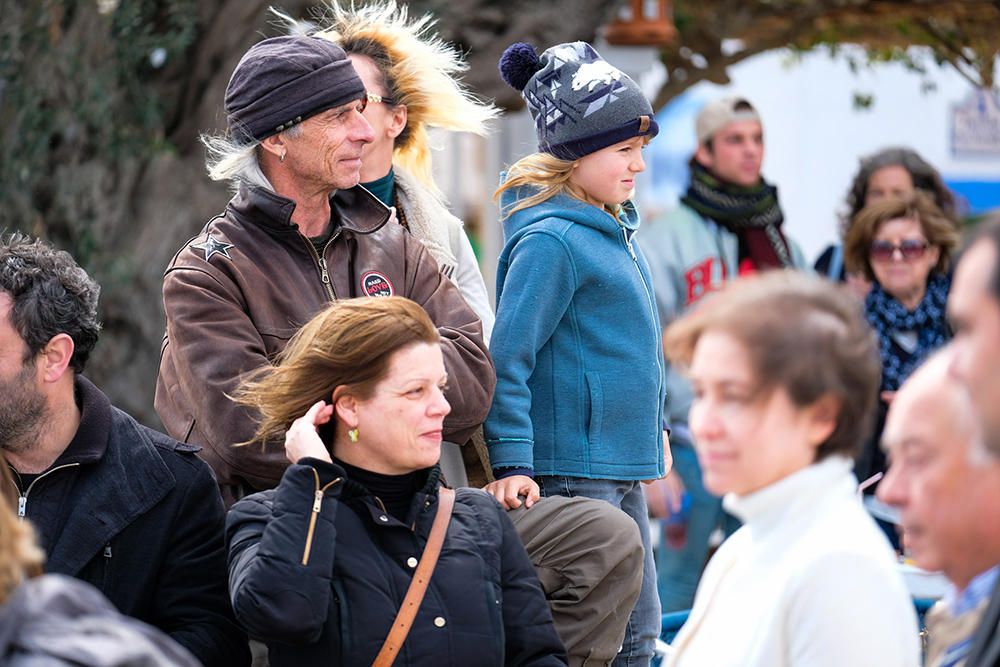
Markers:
910,249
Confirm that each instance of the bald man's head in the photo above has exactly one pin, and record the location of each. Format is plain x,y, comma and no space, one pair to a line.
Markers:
932,394
946,488
974,313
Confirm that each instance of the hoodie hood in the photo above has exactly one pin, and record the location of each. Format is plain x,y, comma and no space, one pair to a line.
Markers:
563,206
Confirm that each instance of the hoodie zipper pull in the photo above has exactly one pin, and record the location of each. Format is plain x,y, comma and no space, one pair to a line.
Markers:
22,506
628,246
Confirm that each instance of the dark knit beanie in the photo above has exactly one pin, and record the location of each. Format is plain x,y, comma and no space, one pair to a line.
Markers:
284,80
579,102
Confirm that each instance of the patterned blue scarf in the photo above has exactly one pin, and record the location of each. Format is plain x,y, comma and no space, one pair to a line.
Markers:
889,318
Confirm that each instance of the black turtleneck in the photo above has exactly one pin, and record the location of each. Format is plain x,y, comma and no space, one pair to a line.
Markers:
395,491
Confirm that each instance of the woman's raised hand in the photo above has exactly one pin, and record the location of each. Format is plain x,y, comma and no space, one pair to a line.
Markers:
302,439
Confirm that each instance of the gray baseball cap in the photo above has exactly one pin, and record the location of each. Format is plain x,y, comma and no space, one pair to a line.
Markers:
718,113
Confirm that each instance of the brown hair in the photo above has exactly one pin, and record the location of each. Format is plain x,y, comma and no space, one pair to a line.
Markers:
936,226
803,334
349,343
20,557
924,177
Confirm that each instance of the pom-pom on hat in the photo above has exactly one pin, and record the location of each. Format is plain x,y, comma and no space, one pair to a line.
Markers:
282,81
580,103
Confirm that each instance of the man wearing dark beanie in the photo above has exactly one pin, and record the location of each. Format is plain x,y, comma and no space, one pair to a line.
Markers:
298,234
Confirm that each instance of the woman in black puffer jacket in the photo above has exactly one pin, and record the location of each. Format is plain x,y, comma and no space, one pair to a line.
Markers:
319,566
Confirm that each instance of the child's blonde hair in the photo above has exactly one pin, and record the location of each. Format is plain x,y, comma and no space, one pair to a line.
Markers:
550,175
544,171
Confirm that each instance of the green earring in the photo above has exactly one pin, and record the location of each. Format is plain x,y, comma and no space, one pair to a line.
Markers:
353,435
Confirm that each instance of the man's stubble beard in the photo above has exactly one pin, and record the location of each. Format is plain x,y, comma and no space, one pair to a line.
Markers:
23,412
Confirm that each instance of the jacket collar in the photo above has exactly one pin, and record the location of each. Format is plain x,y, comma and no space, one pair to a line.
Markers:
91,438
422,499
123,483
354,209
801,492
354,490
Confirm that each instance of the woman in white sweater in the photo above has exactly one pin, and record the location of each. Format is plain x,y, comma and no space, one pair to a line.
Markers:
785,372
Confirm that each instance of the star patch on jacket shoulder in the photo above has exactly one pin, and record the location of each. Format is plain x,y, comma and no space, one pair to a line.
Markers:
212,246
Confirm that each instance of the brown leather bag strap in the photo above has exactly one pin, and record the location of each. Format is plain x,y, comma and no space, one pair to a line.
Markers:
418,586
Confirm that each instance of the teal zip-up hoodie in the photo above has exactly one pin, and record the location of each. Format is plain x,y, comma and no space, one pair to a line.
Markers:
579,361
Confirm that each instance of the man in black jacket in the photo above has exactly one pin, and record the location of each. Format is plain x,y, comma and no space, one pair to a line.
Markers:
115,504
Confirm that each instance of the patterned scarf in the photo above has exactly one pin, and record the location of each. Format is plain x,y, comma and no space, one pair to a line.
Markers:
753,214
889,317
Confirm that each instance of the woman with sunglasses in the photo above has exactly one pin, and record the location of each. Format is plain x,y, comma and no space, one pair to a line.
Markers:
903,246
890,172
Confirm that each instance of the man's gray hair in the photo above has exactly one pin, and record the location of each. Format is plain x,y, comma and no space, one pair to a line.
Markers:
980,455
934,376
228,159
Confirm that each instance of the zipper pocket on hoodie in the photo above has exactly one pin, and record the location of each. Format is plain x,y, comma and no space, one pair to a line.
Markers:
316,507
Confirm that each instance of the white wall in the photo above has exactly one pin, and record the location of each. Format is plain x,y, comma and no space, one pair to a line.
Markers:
814,135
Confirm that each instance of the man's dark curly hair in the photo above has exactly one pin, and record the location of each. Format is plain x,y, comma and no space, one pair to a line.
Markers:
51,295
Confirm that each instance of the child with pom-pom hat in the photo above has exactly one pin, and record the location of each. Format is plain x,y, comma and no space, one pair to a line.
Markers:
578,408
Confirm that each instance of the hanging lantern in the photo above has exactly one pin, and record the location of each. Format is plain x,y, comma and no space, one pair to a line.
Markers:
642,23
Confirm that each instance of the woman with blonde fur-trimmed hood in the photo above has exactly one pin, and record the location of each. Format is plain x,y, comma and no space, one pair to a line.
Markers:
411,76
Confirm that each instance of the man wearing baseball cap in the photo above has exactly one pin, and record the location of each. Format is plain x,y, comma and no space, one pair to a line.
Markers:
298,234
728,224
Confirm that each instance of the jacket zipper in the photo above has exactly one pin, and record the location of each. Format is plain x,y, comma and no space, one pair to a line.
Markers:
649,300
22,499
317,506
631,252
320,261
427,504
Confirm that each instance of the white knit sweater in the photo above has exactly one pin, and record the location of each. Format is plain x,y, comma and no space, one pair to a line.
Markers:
808,581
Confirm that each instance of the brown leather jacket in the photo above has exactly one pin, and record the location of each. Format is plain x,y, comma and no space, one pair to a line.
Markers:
237,292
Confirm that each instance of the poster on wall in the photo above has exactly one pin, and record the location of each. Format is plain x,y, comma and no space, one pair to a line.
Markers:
975,125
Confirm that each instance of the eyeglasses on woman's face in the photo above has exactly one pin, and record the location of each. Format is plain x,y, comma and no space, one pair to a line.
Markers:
377,99
909,249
